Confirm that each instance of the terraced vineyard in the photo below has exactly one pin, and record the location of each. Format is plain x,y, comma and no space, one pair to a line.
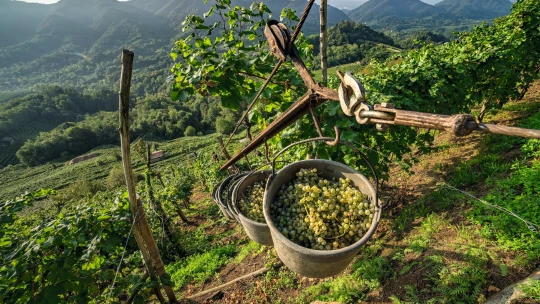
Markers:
19,179
7,153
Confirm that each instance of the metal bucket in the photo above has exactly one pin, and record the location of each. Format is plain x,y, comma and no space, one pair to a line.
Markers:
222,201
258,232
310,262
214,192
232,185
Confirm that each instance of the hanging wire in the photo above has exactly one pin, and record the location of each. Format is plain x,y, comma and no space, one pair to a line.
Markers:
531,226
124,252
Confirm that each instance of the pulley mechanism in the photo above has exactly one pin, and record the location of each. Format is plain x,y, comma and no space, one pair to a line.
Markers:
279,39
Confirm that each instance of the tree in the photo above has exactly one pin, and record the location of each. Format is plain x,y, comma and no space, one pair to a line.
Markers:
224,126
190,131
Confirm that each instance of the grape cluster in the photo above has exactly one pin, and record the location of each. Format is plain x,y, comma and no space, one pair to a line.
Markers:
224,194
321,214
251,204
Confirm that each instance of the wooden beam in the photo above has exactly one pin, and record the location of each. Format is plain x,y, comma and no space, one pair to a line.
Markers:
294,113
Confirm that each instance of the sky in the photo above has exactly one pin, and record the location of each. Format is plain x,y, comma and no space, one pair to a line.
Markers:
348,4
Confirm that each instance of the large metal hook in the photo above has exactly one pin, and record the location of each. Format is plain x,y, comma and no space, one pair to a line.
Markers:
319,130
351,92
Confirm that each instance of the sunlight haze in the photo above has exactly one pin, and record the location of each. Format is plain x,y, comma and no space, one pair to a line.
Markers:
347,4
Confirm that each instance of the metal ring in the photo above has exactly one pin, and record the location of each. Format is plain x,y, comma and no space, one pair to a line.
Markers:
351,94
359,113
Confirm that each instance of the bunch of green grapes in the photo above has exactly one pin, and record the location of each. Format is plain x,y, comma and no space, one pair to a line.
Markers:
321,214
224,194
251,204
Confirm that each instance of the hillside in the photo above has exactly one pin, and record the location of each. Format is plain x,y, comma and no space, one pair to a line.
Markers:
352,42
76,43
175,10
445,15
19,21
476,9
377,11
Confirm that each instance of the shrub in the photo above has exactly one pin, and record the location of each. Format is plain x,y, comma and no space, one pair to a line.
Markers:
190,131
116,178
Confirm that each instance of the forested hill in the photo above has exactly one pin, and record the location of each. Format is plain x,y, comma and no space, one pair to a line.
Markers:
174,10
76,43
353,42
403,14
379,10
476,9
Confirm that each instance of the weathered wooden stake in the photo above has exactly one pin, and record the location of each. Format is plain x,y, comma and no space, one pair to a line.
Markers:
223,150
142,232
324,40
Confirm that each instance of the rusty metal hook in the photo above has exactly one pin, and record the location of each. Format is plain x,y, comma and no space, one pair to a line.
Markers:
319,130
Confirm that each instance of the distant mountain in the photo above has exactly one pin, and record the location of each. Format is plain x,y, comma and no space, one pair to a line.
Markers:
77,43
377,12
176,10
19,21
346,4
476,9
406,14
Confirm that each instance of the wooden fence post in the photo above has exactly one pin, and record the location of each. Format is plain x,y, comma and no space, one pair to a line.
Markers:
223,149
324,40
142,232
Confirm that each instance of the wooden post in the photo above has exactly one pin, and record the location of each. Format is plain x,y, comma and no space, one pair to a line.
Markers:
223,150
142,232
324,42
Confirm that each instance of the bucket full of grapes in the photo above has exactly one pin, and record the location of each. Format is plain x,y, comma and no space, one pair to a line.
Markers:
320,213
248,205
232,185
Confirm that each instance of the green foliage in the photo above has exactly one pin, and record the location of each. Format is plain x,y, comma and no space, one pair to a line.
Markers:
224,126
52,104
530,289
420,38
82,188
207,171
197,268
229,63
367,274
69,258
116,178
252,248
154,117
190,131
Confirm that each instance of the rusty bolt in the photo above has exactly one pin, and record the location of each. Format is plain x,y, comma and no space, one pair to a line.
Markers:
382,127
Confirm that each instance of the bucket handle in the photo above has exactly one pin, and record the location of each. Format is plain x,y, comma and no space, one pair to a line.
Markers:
331,142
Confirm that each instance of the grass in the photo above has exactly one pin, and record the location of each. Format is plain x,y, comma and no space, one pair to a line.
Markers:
349,67
199,267
252,248
530,289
